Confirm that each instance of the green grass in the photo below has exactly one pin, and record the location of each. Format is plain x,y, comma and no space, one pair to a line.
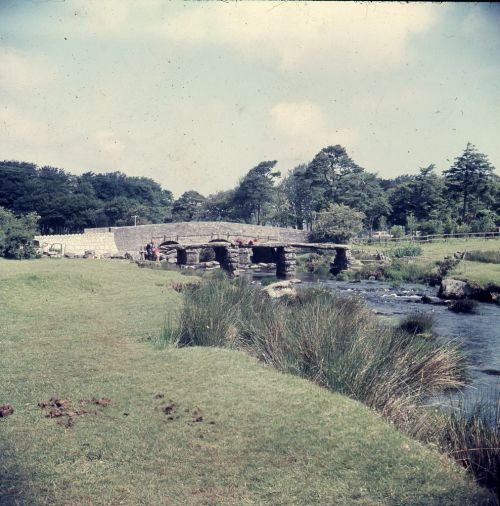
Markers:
79,328
480,273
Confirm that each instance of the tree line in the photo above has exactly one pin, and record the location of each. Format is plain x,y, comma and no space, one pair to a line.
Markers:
465,197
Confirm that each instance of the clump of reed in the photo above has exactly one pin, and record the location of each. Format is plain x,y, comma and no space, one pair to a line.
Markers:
417,323
463,306
471,435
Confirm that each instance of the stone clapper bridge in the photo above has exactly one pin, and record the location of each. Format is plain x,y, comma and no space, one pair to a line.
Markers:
234,255
236,245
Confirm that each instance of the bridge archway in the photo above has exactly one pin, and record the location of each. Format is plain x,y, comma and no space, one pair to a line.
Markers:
264,254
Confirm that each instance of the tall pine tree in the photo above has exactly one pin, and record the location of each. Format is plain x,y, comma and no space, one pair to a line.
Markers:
469,179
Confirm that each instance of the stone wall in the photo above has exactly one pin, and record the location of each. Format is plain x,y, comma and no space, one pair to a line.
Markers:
133,239
100,242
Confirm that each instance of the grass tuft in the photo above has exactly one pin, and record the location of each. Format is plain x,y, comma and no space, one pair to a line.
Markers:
417,323
463,306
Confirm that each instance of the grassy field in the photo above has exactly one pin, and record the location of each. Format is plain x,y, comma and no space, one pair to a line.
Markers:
234,431
477,272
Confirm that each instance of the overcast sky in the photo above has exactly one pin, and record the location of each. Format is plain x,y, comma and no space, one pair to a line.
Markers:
195,94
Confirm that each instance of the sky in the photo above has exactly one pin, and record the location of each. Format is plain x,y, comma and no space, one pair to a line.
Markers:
195,94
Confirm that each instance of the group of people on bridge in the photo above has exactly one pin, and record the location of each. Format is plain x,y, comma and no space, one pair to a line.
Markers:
152,252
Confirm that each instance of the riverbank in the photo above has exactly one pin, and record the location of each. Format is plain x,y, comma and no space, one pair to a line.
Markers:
241,432
339,343
424,265
428,263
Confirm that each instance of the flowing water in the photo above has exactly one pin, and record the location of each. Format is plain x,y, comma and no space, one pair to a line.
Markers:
478,334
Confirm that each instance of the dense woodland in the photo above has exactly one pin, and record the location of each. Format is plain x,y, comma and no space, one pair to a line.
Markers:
465,197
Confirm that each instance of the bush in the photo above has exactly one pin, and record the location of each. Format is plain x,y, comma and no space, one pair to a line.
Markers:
431,227
410,250
17,234
400,271
397,231
338,223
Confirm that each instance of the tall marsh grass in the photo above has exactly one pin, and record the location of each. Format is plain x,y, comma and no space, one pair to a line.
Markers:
341,345
336,342
488,257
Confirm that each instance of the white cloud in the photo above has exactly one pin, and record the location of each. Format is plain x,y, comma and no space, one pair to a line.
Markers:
109,145
298,130
99,15
295,34
19,70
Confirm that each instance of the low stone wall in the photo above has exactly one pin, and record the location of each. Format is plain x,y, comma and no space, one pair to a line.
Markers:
100,242
133,239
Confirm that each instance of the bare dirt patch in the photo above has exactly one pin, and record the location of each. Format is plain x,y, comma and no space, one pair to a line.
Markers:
6,410
63,408
172,410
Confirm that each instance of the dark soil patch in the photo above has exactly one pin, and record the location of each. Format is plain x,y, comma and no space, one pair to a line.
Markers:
6,410
63,409
169,408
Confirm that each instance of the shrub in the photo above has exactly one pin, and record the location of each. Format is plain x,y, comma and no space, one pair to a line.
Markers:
397,231
17,234
338,223
400,271
431,227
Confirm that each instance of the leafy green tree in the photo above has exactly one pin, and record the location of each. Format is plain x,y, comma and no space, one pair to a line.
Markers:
255,192
299,195
281,210
419,195
469,179
219,207
486,221
338,223
17,234
363,192
188,207
329,174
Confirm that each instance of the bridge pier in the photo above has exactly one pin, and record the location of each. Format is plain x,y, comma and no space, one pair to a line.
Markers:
286,263
192,256
342,261
245,257
171,255
232,261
